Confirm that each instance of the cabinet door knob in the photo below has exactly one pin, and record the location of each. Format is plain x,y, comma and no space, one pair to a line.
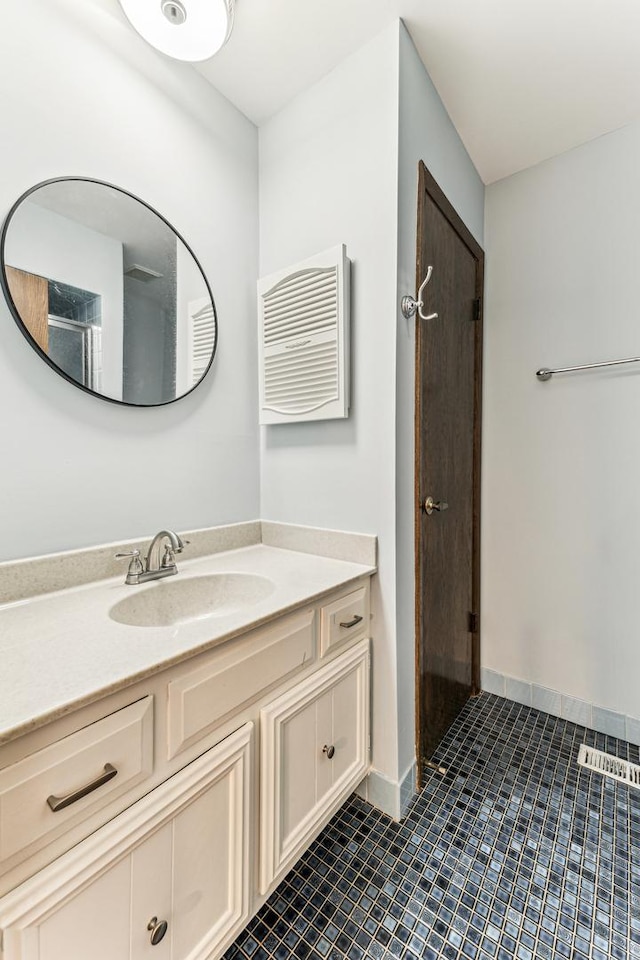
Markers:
158,929
329,751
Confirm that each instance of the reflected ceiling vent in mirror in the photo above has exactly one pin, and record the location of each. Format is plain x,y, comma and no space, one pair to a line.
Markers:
191,30
303,313
145,274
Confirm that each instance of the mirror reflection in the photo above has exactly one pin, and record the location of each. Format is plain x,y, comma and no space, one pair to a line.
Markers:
107,292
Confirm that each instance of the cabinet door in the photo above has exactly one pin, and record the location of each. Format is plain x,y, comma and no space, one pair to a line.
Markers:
94,923
209,872
151,876
179,855
314,752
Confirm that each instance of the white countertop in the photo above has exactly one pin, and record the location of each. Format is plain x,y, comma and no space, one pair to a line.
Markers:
61,650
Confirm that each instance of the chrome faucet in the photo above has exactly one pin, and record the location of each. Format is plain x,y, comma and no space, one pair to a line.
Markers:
154,568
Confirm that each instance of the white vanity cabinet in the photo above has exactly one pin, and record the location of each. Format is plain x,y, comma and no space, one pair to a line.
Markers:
229,763
179,857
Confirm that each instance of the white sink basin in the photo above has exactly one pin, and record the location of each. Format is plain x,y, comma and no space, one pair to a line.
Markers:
166,603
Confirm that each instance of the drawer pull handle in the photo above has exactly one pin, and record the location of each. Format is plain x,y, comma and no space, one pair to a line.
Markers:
158,929
329,750
59,803
351,623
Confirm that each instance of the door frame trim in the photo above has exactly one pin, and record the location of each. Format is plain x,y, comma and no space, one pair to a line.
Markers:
429,186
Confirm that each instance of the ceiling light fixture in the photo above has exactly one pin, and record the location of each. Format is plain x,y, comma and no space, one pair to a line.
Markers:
190,30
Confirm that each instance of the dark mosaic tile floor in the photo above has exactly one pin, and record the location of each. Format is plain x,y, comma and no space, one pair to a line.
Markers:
515,853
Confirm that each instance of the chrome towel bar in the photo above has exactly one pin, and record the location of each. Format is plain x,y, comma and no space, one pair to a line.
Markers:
545,374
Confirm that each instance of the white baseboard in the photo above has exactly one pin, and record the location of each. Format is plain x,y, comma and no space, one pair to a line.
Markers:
387,795
561,705
382,793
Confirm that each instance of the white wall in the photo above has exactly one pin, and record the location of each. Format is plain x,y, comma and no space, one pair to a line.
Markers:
340,164
52,246
328,175
425,133
86,96
561,522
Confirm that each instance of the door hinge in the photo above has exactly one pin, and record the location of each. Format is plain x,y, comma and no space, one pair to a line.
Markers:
477,310
474,622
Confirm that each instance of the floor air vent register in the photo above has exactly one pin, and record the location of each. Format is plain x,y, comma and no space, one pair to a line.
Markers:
609,766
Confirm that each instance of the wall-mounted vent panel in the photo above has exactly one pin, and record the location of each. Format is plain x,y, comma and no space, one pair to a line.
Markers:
303,315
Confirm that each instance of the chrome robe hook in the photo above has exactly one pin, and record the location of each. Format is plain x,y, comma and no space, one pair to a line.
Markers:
409,306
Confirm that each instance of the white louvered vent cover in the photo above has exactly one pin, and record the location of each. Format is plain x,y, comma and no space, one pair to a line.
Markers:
609,765
202,337
303,315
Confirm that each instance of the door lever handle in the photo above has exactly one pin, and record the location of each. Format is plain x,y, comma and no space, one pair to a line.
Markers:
429,505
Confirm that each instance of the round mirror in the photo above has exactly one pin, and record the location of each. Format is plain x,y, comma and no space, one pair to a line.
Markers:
107,292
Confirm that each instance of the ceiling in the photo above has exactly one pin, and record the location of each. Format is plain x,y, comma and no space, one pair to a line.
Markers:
521,80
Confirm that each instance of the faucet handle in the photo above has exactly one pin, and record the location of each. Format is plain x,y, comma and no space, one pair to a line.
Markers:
135,566
169,558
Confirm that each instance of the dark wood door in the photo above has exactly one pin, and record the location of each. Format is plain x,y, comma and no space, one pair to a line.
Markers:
448,397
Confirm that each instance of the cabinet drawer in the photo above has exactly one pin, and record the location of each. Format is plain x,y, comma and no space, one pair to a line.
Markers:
231,678
41,796
314,750
344,619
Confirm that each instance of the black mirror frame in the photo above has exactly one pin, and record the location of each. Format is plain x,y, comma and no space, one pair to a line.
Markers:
4,284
